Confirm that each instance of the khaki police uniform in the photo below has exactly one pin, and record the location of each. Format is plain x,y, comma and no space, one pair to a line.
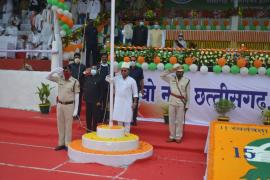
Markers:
176,103
65,107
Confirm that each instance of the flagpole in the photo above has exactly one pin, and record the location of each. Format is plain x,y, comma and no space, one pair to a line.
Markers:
112,59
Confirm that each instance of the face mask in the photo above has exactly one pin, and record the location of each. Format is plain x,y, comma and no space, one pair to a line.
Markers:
70,62
156,26
179,74
67,75
180,38
141,23
77,60
132,63
104,64
93,72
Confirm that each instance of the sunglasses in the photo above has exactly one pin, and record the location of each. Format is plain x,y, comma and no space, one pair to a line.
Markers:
123,70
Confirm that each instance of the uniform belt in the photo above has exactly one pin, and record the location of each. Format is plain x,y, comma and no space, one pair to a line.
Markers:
65,103
178,96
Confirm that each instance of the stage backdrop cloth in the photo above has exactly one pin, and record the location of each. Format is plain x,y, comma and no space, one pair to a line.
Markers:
247,92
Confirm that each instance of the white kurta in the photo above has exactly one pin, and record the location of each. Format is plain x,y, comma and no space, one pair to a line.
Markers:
125,89
34,40
93,8
11,30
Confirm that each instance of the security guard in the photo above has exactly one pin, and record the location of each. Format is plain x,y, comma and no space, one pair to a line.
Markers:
67,104
178,101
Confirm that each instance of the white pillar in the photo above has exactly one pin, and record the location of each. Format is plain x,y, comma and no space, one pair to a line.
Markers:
55,57
57,60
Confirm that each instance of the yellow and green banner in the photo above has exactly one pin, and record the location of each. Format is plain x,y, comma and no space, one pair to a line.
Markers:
238,151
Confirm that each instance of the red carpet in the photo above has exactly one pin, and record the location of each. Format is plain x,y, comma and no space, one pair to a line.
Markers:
27,140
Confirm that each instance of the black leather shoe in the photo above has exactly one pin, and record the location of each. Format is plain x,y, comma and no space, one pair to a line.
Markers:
170,140
58,148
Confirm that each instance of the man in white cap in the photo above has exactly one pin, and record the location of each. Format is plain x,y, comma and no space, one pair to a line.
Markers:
178,101
126,97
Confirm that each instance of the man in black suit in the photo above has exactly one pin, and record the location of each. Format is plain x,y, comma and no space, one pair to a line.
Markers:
140,34
91,44
93,96
104,70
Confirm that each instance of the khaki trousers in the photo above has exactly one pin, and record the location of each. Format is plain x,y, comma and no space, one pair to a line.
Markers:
64,123
176,119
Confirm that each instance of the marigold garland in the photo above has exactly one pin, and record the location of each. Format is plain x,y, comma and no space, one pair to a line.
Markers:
105,126
143,147
128,137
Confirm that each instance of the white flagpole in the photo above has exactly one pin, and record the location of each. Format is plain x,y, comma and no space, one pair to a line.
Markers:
112,58
57,60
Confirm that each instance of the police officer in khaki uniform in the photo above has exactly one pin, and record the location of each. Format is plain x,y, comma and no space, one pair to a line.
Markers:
178,101
67,104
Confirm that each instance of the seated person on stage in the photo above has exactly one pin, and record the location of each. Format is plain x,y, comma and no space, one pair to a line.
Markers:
34,43
180,42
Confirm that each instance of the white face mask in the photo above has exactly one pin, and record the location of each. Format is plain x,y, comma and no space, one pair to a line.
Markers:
93,72
141,23
132,63
77,60
156,26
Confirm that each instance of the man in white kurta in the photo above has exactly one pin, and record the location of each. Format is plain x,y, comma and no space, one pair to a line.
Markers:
93,9
126,97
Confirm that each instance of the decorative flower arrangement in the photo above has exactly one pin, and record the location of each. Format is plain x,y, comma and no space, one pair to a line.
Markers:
195,22
205,22
215,23
63,15
245,23
128,137
266,23
255,23
221,60
186,22
226,23
149,15
143,147
175,22
106,126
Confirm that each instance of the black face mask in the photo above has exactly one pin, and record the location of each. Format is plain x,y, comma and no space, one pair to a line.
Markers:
179,74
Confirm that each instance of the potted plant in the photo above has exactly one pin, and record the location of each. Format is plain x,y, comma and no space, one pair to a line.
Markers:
165,108
43,93
222,107
266,116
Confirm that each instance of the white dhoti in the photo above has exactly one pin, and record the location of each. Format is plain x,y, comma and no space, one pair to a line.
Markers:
123,109
32,54
33,44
